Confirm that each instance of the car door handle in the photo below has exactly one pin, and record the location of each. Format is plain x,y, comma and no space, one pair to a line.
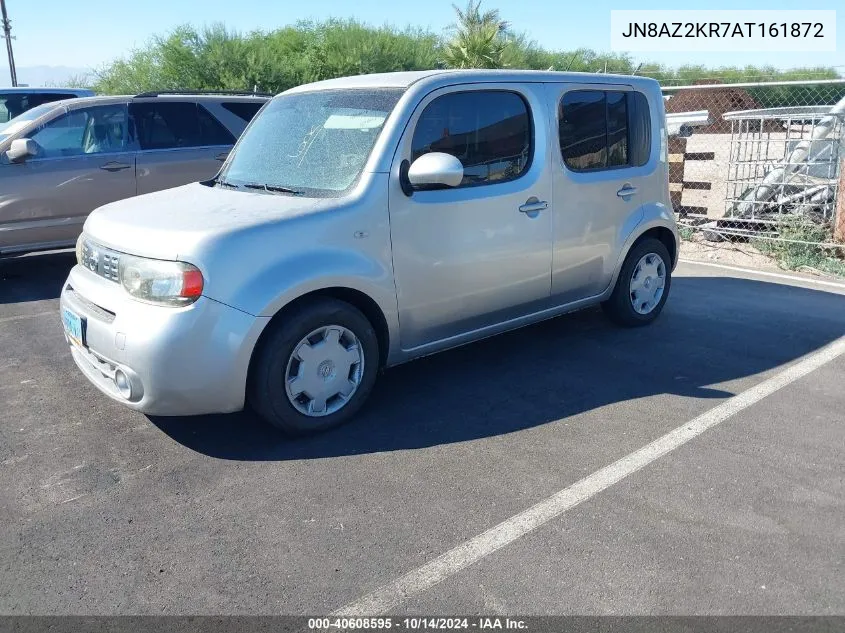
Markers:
532,205
626,190
115,166
221,156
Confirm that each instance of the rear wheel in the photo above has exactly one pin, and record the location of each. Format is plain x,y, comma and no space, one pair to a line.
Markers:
642,286
316,367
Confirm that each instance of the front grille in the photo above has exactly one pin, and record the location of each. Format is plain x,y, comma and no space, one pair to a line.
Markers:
100,260
110,264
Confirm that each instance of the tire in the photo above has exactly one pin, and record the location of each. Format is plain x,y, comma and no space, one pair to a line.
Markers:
620,307
302,345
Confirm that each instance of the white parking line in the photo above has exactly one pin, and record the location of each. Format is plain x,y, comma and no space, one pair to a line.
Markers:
763,273
453,561
21,317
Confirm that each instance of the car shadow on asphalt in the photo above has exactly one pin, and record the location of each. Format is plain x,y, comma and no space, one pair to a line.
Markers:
35,277
714,330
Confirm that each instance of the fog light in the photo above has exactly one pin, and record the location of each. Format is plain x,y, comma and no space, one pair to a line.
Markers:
121,381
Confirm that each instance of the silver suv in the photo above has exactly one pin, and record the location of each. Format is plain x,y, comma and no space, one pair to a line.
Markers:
59,161
363,222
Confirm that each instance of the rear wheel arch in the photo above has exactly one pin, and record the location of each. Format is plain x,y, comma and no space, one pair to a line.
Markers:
664,235
660,232
646,263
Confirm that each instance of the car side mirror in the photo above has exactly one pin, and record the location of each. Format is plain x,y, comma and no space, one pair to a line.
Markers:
21,149
435,169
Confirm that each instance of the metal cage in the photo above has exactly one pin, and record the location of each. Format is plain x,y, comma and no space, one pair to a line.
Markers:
784,161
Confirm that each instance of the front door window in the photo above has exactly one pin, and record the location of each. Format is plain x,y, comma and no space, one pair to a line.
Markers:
96,130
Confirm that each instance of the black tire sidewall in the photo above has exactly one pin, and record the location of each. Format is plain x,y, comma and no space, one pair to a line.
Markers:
268,396
619,307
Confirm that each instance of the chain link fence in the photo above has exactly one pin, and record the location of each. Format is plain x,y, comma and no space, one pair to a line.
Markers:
760,167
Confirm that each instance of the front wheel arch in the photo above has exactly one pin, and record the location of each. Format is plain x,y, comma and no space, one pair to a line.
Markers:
272,352
363,302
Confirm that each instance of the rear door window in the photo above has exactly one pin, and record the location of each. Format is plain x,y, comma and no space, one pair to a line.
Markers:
173,125
604,129
617,129
212,132
582,127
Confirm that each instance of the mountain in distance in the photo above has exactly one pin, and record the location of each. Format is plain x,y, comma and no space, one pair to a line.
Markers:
47,76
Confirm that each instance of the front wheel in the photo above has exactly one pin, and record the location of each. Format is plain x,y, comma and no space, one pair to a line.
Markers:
642,286
315,368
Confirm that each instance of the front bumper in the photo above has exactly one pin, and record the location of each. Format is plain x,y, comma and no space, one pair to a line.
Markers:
179,361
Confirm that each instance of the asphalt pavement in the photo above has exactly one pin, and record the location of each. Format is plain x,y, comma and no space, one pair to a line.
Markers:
107,511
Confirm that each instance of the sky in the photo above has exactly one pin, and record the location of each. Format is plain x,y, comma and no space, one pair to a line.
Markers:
90,33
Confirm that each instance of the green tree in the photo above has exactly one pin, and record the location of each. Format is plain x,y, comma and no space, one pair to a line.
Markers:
480,40
215,58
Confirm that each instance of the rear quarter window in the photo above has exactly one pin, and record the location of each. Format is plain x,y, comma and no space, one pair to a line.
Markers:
176,124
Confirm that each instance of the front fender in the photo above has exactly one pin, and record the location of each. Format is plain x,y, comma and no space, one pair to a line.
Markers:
287,279
269,290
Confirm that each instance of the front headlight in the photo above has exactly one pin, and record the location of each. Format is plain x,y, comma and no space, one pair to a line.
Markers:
160,282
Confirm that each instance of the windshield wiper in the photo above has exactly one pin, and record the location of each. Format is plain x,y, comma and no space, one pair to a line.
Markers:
223,183
271,188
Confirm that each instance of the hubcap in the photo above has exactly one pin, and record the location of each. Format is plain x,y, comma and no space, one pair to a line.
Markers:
324,371
647,283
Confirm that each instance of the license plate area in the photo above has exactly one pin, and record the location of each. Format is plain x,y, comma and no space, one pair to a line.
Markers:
74,326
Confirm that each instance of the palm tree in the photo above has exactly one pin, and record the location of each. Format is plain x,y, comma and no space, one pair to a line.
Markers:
479,39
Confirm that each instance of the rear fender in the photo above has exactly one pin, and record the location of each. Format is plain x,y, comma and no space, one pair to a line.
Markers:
654,215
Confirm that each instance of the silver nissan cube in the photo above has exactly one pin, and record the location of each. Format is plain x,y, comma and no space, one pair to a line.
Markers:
366,221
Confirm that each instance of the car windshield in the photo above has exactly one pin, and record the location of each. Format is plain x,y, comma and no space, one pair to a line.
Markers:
313,143
21,121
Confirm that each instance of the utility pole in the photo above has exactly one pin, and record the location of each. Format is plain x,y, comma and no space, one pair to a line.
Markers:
7,34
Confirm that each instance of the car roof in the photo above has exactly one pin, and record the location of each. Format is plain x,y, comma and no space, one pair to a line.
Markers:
406,79
375,80
83,102
30,89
